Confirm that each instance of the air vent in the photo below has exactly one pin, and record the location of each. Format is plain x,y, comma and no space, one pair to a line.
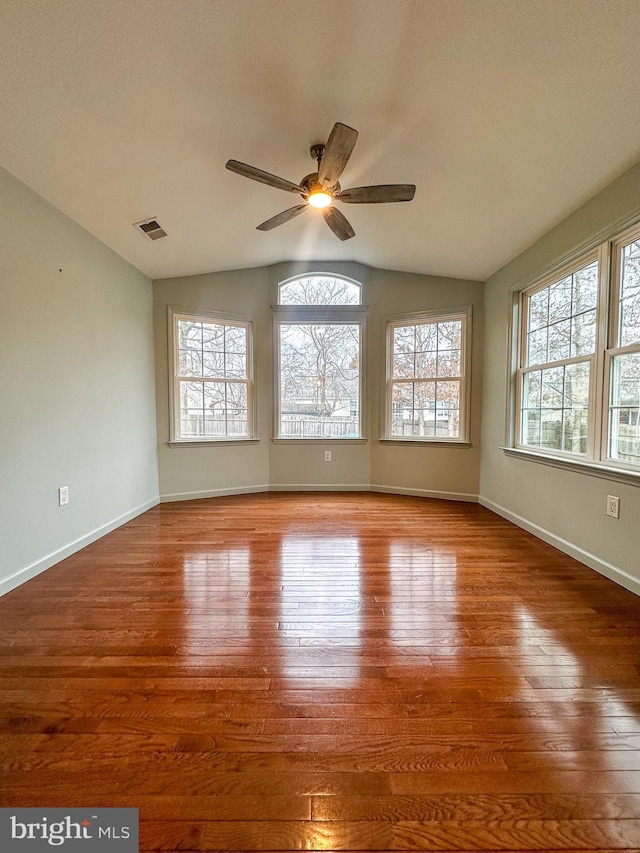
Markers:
151,229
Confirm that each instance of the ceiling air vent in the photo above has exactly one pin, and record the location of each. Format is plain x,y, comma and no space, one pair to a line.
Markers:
151,229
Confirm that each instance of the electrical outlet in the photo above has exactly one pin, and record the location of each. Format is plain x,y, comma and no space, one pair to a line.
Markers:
613,506
327,456
63,495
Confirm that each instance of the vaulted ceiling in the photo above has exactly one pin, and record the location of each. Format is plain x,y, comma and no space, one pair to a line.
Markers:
506,114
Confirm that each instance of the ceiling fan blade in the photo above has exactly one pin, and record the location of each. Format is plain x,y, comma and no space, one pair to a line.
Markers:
263,177
338,223
281,218
379,194
336,153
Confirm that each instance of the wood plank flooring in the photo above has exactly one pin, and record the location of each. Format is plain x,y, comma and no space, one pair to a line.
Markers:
327,672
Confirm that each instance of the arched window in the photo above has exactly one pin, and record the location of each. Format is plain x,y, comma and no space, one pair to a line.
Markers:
319,289
319,340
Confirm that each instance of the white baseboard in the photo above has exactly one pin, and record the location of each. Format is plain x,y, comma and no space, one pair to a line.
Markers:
610,571
425,493
319,487
33,569
212,493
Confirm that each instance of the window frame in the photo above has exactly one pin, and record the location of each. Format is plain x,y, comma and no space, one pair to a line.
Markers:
607,249
595,360
464,314
348,314
614,348
175,315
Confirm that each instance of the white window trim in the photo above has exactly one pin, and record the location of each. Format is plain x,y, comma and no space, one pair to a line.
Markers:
436,315
605,245
345,315
174,315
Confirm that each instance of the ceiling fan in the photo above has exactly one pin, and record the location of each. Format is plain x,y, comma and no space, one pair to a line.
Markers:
321,189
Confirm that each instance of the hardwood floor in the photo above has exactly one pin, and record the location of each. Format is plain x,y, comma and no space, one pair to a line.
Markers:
327,672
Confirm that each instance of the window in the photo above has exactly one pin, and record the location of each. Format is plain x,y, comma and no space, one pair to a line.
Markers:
319,334
623,359
212,385
427,377
558,355
578,376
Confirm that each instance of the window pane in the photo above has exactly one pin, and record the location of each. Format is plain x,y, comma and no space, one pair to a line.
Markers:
560,300
191,409
532,386
426,364
537,346
319,380
213,336
585,289
213,363
235,365
449,363
404,339
426,337
190,362
551,429
449,335
403,365
319,290
583,333
630,294
561,318
559,341
235,339
189,334
555,409
552,387
539,309
531,427
624,418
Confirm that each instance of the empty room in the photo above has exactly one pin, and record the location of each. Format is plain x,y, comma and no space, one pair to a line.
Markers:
319,425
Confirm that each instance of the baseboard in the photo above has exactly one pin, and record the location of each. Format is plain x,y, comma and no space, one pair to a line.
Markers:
212,493
425,493
44,563
319,487
610,571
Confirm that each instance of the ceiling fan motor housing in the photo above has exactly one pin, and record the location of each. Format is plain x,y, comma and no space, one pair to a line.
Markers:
310,184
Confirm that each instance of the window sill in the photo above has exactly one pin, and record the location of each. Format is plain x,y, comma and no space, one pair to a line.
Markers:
213,442
319,440
431,442
606,472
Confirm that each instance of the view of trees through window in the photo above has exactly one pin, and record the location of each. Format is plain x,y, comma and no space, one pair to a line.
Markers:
319,362
319,290
426,367
212,379
560,343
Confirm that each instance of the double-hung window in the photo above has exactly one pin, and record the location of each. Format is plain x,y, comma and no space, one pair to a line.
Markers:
427,384
578,375
319,354
212,387
623,358
558,359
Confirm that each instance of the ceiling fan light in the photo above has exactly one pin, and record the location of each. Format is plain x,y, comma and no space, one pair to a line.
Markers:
320,199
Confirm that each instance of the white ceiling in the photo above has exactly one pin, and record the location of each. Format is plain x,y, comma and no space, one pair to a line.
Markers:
506,114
